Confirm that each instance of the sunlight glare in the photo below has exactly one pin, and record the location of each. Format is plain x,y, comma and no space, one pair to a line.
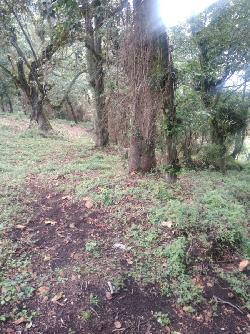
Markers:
177,11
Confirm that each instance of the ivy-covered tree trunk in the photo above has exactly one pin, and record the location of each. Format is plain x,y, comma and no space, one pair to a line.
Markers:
167,84
96,73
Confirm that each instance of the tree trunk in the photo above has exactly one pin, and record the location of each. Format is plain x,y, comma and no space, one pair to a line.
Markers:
72,110
10,104
239,142
38,115
2,104
101,115
187,148
144,55
96,74
169,108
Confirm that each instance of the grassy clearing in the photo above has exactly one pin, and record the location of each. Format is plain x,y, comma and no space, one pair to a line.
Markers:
176,238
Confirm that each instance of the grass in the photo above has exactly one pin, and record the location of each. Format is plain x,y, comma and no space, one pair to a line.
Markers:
173,234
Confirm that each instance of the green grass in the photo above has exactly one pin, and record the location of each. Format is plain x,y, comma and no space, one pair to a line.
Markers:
172,230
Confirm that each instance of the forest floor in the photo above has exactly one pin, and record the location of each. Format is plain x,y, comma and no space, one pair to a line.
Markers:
86,249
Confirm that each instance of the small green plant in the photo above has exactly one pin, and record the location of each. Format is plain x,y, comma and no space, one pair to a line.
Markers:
94,300
106,197
239,283
85,315
92,248
118,283
3,317
162,318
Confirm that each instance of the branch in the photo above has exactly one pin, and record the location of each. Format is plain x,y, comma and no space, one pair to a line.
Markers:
65,97
115,11
8,72
22,28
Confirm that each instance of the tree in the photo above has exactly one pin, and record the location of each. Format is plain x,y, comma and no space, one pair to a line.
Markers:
152,77
34,44
211,56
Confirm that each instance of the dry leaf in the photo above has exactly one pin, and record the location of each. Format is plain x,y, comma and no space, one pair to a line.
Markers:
243,265
47,258
20,321
129,261
210,284
50,222
168,224
43,290
89,204
118,325
20,227
197,281
109,295
57,297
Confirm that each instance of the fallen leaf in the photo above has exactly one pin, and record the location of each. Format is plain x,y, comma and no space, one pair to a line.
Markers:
118,325
129,261
50,222
47,258
120,246
109,295
89,204
210,284
20,227
43,290
168,224
197,281
57,297
243,265
20,321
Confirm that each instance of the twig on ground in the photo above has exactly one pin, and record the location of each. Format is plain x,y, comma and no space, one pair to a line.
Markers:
219,300
92,309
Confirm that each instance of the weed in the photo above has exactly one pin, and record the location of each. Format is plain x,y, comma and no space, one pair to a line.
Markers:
118,283
94,300
92,248
239,283
85,315
162,318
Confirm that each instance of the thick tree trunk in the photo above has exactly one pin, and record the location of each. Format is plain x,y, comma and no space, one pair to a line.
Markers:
38,115
169,108
142,154
144,56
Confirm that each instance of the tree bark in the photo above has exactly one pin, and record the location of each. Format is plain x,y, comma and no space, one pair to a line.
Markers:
38,115
9,103
142,144
72,110
96,73
2,104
